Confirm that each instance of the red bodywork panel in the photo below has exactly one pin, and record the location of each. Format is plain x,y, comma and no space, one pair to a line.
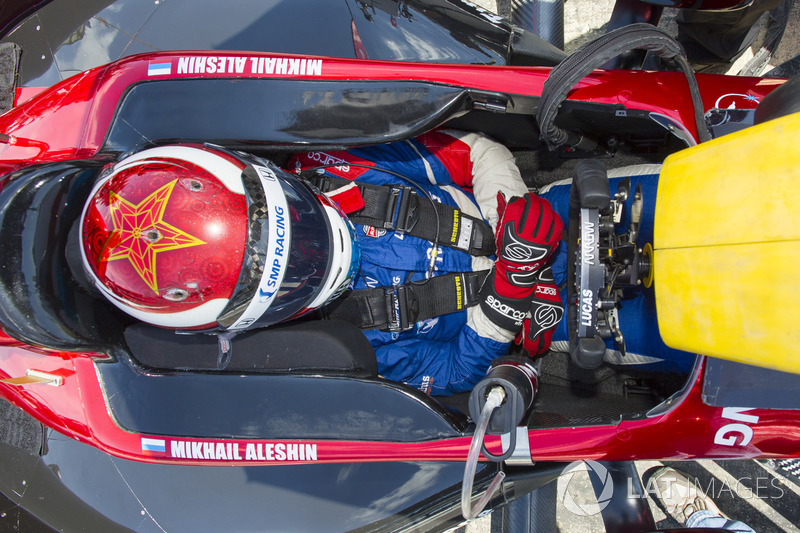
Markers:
689,429
70,121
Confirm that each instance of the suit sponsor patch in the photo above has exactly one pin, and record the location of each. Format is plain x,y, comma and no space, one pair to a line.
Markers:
373,232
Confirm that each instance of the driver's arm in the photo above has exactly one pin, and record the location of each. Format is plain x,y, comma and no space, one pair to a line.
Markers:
478,163
473,161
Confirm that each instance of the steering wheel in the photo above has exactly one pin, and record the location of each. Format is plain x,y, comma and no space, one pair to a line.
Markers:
589,198
601,262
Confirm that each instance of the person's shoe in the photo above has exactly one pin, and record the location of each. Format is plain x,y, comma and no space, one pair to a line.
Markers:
679,496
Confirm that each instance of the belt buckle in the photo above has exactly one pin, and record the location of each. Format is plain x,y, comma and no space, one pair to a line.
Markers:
401,212
402,308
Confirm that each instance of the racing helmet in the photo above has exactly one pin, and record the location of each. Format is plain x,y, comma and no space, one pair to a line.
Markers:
201,238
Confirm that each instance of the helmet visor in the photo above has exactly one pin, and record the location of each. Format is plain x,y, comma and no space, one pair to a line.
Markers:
288,252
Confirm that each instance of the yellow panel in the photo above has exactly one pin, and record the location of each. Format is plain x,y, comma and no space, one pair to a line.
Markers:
737,302
743,187
727,240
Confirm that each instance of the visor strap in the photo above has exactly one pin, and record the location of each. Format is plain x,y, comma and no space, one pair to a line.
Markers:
278,242
225,348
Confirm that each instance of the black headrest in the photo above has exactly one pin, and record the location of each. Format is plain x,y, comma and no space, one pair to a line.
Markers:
41,301
326,346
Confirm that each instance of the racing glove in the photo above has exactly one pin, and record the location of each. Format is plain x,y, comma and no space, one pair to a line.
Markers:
527,233
545,313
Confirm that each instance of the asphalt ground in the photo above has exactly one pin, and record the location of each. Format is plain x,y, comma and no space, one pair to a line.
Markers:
586,19
765,494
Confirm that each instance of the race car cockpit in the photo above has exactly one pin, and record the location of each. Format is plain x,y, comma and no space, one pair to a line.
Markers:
45,304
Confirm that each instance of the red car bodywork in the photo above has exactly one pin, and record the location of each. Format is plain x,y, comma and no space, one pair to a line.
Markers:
70,120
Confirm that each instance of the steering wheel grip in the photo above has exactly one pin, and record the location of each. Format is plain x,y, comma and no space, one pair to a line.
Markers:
590,191
585,352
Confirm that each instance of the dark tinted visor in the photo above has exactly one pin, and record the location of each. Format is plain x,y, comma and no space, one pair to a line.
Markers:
288,250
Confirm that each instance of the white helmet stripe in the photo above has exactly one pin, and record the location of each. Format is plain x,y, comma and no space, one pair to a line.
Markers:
278,242
190,318
229,174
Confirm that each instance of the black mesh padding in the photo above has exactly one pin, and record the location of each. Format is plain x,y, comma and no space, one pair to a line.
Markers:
19,429
42,302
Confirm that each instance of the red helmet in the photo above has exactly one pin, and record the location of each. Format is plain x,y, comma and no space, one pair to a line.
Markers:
201,238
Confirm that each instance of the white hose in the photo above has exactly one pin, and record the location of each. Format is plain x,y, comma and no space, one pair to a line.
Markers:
493,401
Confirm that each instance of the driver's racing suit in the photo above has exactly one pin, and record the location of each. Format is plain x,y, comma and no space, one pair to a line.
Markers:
450,353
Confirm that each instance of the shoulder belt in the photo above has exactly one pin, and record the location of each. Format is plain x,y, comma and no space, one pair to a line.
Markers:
399,208
399,307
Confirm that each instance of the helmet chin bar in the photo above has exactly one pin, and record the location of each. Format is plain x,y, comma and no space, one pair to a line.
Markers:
601,262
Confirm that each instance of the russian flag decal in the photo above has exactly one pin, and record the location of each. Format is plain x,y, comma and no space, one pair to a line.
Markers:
154,445
159,69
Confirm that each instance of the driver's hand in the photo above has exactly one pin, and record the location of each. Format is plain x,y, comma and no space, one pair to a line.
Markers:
527,234
545,313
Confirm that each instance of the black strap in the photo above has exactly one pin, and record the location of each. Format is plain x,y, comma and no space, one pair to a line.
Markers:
399,307
399,208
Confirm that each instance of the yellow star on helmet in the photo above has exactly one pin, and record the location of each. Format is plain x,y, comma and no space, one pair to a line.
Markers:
141,233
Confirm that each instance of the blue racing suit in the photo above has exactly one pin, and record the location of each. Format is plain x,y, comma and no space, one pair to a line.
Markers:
450,353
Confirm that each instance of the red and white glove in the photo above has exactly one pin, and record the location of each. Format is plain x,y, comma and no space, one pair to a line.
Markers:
545,313
527,234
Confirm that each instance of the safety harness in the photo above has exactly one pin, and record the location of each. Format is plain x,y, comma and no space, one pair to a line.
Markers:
399,208
399,307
